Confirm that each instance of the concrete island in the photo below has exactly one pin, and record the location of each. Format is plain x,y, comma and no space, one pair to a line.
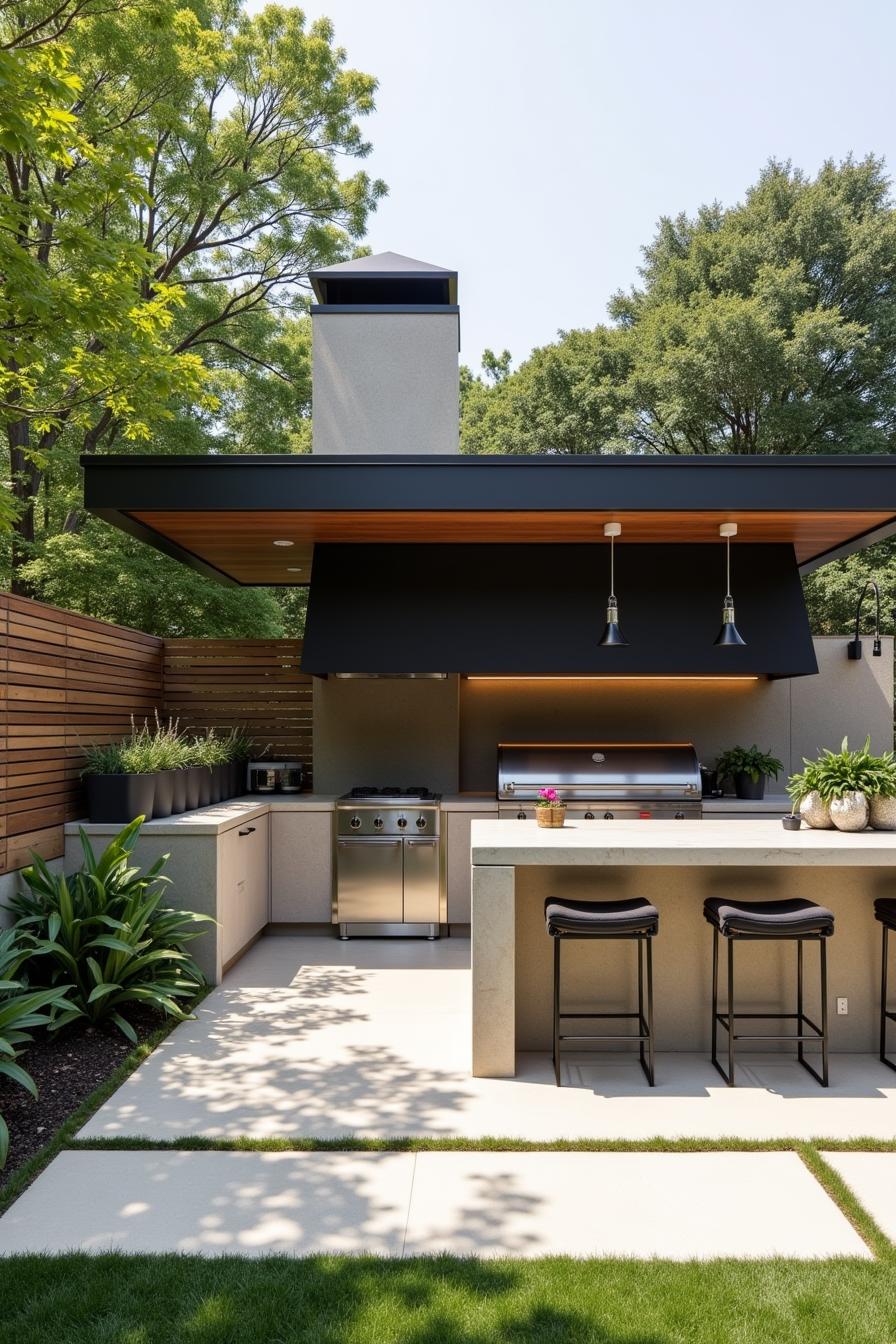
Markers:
674,864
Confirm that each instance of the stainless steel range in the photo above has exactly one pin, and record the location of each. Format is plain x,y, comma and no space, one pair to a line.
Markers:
600,781
388,864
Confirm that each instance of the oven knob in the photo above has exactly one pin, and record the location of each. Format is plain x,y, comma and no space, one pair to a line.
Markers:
355,823
401,823
521,816
608,816
421,823
679,816
589,816
378,823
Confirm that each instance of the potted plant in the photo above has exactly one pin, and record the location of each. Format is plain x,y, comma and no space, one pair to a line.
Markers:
847,789
550,809
748,768
242,750
211,754
120,785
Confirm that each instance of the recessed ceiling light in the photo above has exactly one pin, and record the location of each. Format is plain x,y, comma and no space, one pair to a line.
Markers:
284,543
293,569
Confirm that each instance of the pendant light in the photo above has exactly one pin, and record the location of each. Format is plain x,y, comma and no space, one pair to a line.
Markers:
729,634
612,635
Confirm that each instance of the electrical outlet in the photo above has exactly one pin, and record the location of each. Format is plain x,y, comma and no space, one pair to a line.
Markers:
842,1007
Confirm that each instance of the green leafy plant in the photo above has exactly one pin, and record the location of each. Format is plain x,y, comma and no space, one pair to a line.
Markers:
104,931
836,773
748,761
146,750
210,750
104,758
242,746
21,1009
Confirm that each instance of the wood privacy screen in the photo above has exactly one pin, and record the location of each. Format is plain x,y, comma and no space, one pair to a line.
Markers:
66,680
250,683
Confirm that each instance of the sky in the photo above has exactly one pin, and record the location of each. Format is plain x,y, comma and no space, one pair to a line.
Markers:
532,146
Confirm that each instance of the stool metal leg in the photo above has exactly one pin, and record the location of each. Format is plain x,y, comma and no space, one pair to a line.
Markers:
650,1044
823,944
730,1079
557,1011
715,998
799,998
885,1015
641,1025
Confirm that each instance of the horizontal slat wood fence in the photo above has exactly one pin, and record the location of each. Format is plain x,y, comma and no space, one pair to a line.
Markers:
66,680
255,684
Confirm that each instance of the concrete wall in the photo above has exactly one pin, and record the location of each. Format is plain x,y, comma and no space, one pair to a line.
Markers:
791,718
385,732
385,383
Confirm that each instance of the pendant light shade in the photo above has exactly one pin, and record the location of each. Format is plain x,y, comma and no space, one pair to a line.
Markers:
612,636
729,635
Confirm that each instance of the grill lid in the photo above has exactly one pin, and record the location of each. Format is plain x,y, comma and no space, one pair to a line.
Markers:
615,770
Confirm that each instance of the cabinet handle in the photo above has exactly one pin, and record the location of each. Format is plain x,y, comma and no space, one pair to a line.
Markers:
248,831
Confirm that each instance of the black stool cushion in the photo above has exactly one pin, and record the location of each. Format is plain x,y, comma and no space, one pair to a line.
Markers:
772,919
885,911
596,919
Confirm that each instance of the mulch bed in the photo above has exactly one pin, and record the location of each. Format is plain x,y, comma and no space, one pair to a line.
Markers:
66,1070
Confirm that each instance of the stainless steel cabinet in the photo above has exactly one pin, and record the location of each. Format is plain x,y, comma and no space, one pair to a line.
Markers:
421,881
370,881
301,867
457,829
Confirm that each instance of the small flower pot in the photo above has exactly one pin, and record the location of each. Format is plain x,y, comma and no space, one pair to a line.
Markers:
194,775
120,798
552,817
163,802
792,823
747,787
179,792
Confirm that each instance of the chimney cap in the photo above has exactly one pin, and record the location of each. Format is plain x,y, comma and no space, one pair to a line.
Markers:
381,266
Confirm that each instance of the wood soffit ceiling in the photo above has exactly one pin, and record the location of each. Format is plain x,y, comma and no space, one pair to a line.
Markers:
240,544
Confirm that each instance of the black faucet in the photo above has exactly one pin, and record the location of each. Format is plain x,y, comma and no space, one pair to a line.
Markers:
854,647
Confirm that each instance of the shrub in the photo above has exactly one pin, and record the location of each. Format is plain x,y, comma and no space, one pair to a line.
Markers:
104,931
21,1008
836,773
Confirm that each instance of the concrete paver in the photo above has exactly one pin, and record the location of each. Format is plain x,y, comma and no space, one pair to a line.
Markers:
872,1179
673,1205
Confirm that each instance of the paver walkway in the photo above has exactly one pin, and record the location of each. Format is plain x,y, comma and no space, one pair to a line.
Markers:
310,1036
675,1205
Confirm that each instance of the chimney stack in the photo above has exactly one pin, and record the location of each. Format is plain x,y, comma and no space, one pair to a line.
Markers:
384,376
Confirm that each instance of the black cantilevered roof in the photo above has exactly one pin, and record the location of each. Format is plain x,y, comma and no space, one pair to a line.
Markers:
223,514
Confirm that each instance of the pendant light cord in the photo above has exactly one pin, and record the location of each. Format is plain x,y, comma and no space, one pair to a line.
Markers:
612,569
728,570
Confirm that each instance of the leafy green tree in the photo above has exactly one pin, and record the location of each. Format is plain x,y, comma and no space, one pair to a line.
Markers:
234,128
769,327
833,590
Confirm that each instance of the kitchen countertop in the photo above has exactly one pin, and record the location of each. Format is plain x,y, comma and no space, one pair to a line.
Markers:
218,817
745,842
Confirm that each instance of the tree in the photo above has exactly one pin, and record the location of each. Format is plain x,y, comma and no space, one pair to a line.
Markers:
234,128
769,327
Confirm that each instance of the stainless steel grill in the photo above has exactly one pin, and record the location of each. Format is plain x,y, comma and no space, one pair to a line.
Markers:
601,780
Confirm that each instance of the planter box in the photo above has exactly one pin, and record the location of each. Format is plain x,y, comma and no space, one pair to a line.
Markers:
120,798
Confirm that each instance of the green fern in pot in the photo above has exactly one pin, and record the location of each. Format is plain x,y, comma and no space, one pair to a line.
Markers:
748,768
847,789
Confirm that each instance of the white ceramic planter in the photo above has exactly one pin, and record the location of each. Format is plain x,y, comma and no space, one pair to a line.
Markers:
850,813
815,813
883,813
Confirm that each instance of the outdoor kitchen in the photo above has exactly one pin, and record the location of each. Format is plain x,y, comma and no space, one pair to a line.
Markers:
457,677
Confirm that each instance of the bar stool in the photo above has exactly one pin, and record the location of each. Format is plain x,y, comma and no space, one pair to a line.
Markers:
633,919
885,911
796,921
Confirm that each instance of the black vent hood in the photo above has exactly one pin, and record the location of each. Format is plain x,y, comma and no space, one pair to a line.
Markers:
538,610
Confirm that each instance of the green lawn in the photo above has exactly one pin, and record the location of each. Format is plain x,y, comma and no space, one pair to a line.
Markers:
188,1300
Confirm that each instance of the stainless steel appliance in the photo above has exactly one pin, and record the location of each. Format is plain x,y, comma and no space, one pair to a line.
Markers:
601,781
275,776
388,864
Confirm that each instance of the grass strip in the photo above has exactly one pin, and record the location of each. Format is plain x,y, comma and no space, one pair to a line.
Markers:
121,1299
489,1144
64,1137
837,1189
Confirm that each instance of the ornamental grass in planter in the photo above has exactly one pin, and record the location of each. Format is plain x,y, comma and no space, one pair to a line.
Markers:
847,789
117,789
748,768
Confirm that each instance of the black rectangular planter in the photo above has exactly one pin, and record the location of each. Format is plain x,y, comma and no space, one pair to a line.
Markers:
120,798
